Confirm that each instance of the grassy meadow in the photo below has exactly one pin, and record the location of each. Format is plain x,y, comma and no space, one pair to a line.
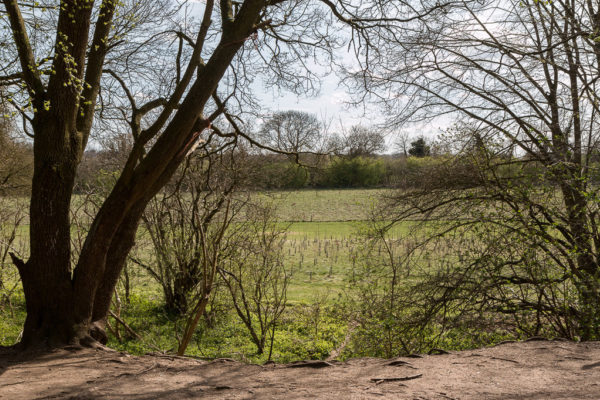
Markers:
333,205
319,251
324,259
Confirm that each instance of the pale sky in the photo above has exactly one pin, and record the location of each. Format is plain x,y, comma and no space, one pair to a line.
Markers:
331,105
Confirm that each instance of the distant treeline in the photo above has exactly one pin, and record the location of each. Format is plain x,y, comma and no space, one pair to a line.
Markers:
98,169
16,163
276,171
269,171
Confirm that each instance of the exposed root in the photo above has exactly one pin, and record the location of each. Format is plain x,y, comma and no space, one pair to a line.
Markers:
437,352
310,364
98,332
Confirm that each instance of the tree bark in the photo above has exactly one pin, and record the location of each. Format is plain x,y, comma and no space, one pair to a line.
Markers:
46,276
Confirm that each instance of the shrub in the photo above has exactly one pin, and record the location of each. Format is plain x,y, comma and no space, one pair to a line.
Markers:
355,172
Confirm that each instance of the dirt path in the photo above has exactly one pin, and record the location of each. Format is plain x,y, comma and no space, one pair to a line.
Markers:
526,370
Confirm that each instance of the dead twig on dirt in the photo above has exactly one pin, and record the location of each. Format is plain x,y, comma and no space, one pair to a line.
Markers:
504,359
396,379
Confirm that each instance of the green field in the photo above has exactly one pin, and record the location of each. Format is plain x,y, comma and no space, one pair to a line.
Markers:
327,205
319,247
321,256
322,236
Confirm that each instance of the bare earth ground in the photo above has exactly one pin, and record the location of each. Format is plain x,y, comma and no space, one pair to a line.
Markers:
525,370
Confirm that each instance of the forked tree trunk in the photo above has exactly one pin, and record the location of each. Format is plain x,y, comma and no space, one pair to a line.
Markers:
69,306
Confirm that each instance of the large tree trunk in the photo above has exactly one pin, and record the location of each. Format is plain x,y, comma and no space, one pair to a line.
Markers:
587,271
58,146
46,276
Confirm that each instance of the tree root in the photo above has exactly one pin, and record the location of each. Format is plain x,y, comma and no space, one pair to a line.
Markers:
310,364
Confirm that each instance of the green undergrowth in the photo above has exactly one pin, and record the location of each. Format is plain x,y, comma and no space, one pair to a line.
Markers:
12,317
303,333
315,329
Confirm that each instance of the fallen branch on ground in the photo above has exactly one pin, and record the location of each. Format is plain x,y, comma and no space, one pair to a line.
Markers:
398,379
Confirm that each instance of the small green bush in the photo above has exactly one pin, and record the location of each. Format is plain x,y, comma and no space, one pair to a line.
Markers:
355,172
283,175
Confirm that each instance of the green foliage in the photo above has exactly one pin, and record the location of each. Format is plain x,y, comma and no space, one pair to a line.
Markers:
283,175
104,181
255,275
355,272
12,317
419,148
355,172
224,335
146,315
13,233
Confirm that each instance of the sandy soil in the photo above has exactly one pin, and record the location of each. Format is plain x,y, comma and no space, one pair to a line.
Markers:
525,370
